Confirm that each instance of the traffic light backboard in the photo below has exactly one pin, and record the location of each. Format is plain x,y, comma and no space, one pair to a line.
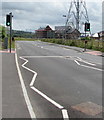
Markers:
87,26
8,20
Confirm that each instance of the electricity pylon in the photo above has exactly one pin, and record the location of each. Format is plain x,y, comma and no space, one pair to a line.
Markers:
77,14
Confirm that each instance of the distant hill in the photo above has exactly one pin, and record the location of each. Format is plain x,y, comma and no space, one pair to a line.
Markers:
17,33
0,27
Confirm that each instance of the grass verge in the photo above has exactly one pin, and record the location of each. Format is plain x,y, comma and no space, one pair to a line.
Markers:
91,44
24,39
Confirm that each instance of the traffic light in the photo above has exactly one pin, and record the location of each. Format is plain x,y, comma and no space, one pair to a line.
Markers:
87,26
8,20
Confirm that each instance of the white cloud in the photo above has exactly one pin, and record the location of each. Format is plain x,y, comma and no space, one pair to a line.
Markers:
48,1
32,15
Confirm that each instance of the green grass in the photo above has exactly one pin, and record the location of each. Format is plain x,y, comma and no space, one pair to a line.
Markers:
91,44
12,45
0,28
0,46
23,39
16,39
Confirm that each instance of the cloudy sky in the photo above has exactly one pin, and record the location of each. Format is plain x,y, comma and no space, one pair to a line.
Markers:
30,15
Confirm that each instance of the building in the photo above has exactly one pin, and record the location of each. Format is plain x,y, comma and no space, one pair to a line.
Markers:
60,32
95,36
66,32
46,32
98,36
75,34
101,35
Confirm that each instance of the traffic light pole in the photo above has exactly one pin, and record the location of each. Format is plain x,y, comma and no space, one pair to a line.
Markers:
85,42
10,32
87,28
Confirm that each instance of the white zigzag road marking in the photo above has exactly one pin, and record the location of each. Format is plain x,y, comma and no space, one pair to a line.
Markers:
27,100
64,111
75,58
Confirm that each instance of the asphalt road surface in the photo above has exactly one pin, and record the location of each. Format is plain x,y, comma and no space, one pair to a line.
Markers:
60,83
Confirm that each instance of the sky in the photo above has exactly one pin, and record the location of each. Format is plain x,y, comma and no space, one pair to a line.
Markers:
103,15
33,14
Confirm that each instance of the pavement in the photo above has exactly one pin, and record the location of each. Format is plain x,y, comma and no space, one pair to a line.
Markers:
7,51
13,103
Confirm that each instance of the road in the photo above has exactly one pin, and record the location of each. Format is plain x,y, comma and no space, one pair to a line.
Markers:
60,82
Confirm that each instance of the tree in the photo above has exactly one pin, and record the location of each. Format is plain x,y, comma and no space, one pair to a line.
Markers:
3,32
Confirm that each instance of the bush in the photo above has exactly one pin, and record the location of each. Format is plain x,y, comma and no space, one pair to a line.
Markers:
89,46
86,38
72,43
83,38
59,41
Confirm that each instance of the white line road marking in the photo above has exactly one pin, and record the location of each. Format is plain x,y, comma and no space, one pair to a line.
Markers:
88,63
33,79
35,73
64,111
92,68
72,57
80,59
28,103
43,56
47,98
65,114
77,62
